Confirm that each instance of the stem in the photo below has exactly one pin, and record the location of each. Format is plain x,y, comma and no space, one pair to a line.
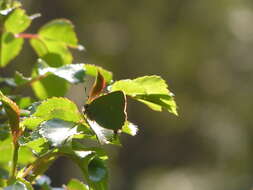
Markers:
36,167
26,35
18,88
14,161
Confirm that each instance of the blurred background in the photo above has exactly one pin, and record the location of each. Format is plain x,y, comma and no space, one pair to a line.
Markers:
203,49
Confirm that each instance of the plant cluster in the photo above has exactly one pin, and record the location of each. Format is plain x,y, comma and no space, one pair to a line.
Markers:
36,130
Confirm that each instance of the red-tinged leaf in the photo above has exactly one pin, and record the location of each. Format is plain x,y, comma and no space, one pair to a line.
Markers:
13,114
97,87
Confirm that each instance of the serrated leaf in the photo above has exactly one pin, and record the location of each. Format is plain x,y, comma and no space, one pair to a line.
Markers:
150,90
9,48
94,170
92,71
61,30
91,162
60,108
73,73
38,146
32,122
17,21
75,184
57,131
130,128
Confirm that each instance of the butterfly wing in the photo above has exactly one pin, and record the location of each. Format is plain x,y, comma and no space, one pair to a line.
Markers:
109,111
97,87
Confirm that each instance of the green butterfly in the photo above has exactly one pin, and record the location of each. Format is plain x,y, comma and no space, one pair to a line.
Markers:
107,111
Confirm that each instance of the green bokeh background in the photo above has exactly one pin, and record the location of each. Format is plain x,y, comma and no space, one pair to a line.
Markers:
203,49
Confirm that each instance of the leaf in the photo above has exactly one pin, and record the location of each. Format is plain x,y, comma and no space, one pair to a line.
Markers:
53,52
61,30
75,184
24,102
92,71
17,21
73,73
20,79
20,184
91,162
150,90
4,132
60,108
94,170
9,48
97,170
38,146
57,131
50,86
130,128
25,156
13,114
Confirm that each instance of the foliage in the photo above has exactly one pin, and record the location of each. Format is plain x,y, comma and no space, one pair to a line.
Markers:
34,132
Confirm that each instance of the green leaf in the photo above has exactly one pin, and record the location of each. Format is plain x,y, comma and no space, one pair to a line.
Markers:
4,132
60,108
38,146
73,73
20,184
9,48
57,131
24,102
53,52
94,170
97,170
75,184
20,79
150,90
46,86
32,122
91,162
130,128
92,71
61,30
25,155
17,21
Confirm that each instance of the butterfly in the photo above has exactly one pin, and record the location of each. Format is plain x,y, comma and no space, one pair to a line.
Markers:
107,111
